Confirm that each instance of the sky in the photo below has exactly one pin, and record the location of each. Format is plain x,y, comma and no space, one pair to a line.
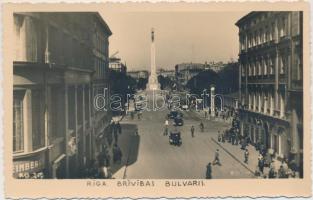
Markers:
179,37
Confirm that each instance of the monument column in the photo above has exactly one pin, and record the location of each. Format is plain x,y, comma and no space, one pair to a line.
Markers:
153,82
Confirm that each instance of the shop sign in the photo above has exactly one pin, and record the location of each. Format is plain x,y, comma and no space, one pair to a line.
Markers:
29,167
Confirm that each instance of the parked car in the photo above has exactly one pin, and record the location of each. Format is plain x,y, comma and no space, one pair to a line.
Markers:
175,138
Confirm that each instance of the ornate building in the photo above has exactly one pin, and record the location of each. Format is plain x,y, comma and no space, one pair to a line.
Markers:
270,83
60,63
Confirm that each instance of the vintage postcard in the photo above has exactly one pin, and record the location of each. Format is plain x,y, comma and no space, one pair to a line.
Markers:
157,100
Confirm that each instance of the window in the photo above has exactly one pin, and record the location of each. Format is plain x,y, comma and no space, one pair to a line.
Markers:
18,132
38,134
283,63
265,66
272,36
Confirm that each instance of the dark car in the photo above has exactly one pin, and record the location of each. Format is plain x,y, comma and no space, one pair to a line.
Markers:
175,138
178,121
173,114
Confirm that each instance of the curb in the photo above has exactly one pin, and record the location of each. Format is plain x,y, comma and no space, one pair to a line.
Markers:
234,157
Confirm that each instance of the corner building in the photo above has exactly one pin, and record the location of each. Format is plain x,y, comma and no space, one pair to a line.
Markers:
271,81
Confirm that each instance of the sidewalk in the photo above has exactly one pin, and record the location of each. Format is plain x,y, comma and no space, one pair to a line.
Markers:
201,113
238,154
126,141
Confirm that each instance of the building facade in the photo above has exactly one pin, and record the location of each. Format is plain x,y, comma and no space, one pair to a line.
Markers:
56,73
139,74
271,81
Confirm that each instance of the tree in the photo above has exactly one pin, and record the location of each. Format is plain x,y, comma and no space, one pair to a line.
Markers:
202,81
165,82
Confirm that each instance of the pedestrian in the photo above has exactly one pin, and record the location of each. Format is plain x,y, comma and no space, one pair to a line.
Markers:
272,173
192,131
261,164
282,173
117,154
165,130
208,174
166,122
217,158
201,126
205,114
219,137
223,137
246,155
119,127
243,144
115,135
132,115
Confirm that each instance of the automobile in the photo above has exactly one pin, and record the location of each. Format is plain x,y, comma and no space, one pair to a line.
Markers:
173,114
178,121
175,138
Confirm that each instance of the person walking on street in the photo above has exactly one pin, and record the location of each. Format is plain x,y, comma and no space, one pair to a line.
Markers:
246,155
201,127
192,131
119,127
208,174
217,158
219,137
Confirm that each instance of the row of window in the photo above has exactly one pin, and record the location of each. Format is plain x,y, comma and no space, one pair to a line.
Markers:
265,103
265,66
266,34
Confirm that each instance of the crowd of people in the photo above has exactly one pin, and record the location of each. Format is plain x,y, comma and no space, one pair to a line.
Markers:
265,159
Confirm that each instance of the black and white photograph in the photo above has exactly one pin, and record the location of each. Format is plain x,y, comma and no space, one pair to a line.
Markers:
158,95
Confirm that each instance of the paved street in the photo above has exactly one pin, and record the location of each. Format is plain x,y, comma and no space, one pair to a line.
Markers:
151,156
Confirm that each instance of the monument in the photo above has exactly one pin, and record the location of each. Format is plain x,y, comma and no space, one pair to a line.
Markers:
153,83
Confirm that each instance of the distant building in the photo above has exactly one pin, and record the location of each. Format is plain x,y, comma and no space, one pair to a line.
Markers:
215,66
117,65
138,74
60,63
185,71
271,81
167,73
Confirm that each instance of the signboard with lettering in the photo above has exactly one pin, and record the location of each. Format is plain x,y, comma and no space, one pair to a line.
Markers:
29,167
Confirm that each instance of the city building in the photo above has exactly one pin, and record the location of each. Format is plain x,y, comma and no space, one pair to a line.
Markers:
185,71
117,65
137,74
271,81
215,66
60,63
